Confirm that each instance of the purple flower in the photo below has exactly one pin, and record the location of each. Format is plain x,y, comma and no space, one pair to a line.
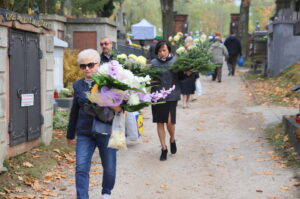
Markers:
162,94
113,69
145,97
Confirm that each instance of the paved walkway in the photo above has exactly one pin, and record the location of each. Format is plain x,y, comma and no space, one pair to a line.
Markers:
222,154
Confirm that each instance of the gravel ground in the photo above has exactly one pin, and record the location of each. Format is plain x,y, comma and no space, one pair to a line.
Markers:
222,154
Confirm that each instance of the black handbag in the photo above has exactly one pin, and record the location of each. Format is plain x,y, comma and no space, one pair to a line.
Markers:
104,114
100,128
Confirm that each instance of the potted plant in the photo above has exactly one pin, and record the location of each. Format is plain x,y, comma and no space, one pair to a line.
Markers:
64,98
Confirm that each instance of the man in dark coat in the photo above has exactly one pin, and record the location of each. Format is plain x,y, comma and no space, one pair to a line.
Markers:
151,52
234,48
106,45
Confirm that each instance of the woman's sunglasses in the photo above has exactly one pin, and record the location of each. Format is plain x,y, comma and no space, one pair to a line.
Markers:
90,65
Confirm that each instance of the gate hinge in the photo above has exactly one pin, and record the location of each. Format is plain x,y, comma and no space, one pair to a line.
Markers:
40,54
9,51
10,127
42,119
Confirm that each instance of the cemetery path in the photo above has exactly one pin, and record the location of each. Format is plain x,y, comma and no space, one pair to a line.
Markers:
222,154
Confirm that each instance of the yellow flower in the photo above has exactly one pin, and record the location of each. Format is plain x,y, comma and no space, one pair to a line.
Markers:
180,50
141,60
196,40
176,38
180,34
122,56
203,37
132,56
94,89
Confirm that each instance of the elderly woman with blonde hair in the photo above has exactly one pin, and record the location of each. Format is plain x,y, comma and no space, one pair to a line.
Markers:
188,84
80,125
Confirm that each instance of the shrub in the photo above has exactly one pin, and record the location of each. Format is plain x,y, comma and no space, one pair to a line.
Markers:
60,120
72,71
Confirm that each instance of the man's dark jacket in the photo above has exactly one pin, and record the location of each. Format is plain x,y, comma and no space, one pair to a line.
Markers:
233,45
106,58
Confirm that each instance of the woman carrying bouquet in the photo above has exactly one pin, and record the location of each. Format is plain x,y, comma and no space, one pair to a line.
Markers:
165,114
188,84
80,125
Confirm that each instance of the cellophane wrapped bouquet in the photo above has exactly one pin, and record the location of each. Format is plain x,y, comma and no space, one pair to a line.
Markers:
116,86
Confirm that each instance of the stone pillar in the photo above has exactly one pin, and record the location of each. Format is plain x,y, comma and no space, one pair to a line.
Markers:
47,88
3,94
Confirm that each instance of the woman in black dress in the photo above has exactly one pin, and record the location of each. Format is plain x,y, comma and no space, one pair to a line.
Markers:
165,114
188,84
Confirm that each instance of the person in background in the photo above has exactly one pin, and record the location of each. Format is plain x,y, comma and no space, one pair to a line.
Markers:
80,125
151,52
106,46
234,48
165,114
188,84
218,52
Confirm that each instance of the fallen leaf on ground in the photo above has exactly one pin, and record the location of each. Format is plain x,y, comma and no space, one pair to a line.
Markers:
163,186
57,151
297,184
49,193
27,164
272,197
265,173
284,187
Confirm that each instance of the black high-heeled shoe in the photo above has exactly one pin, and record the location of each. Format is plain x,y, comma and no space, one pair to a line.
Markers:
173,147
163,155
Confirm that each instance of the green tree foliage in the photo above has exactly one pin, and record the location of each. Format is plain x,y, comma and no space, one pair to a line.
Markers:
102,8
22,6
135,10
261,11
196,59
207,15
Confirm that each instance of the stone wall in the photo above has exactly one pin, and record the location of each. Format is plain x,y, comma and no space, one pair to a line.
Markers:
3,95
282,47
47,87
57,23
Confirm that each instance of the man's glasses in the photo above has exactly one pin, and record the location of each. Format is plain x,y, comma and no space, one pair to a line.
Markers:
90,65
104,44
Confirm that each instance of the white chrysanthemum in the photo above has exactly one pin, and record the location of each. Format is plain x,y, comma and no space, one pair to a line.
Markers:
125,76
180,50
176,38
133,99
170,39
103,69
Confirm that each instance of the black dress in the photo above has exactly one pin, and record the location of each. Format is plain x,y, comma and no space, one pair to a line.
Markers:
188,84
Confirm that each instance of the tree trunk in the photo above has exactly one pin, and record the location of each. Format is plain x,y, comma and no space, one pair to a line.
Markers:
167,7
244,26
